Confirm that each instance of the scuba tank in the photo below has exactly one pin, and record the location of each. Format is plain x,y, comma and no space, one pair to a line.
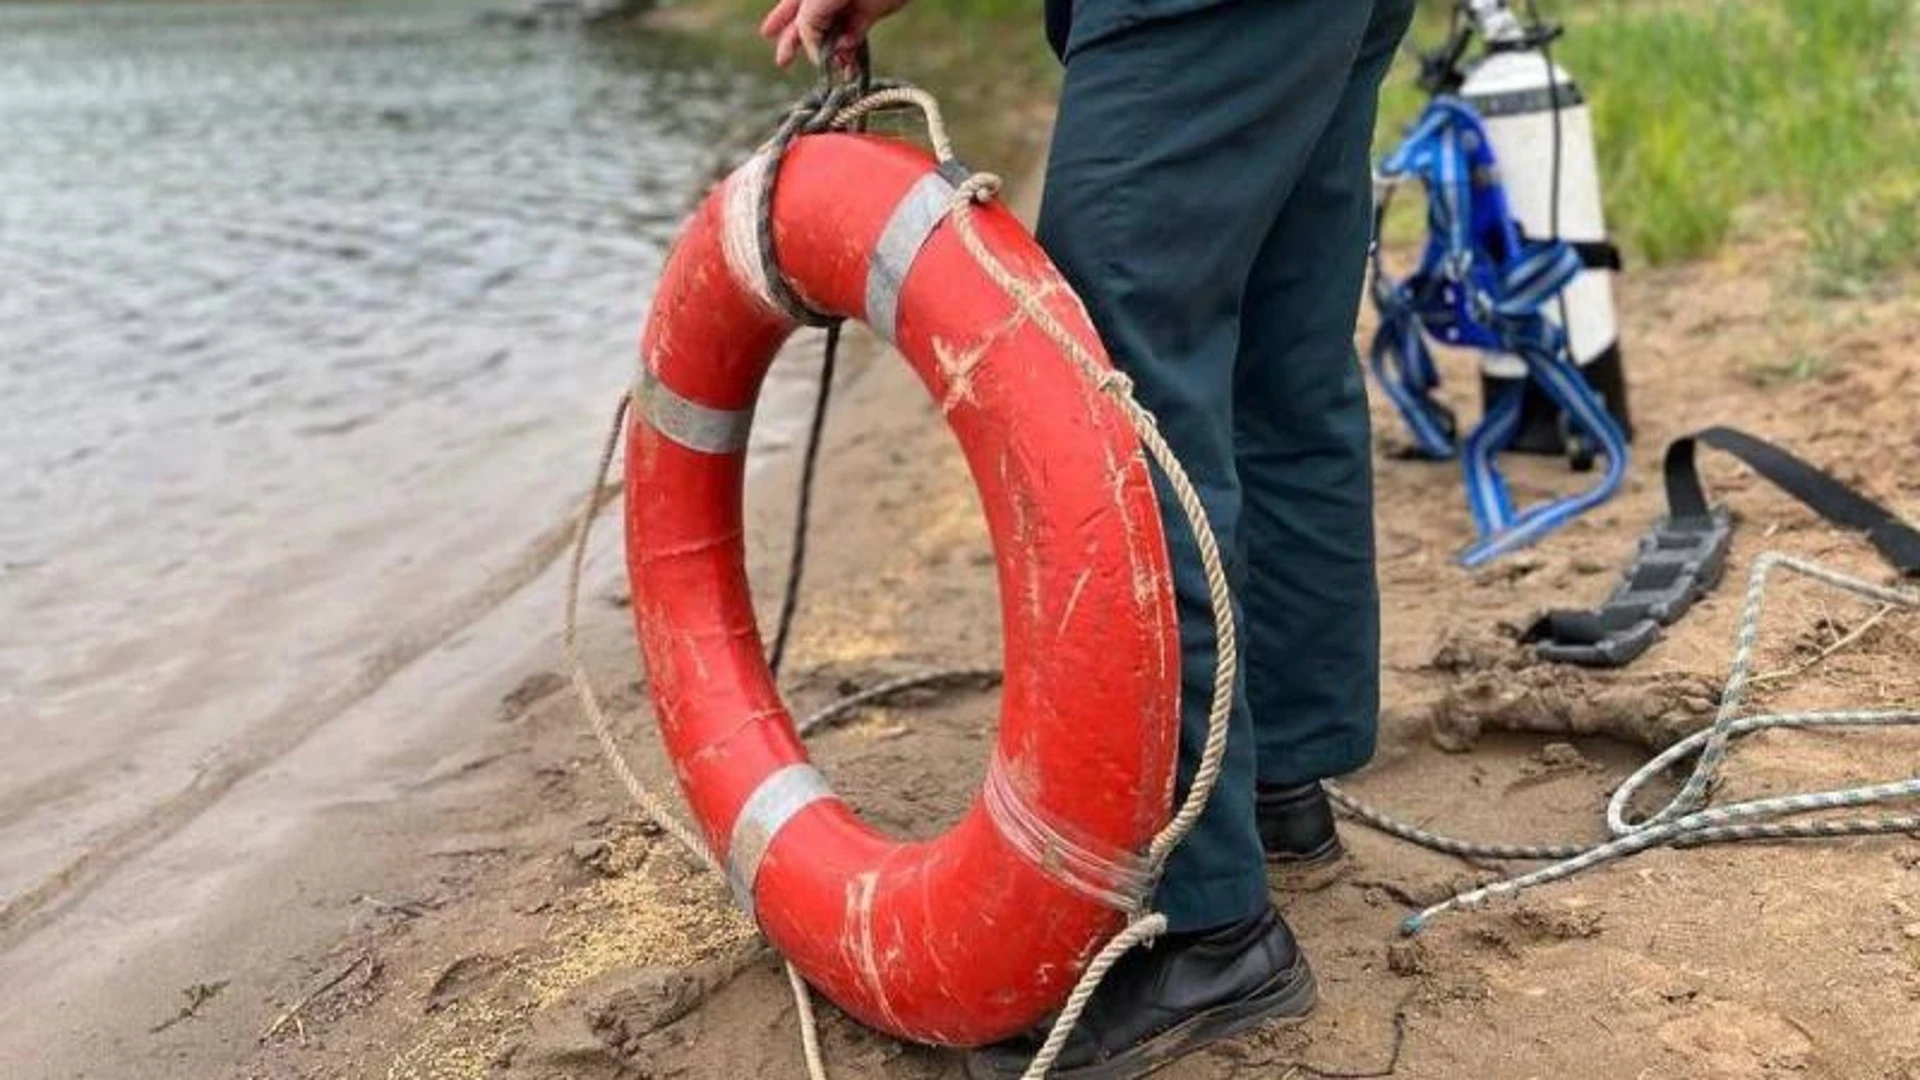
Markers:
1514,267
1542,133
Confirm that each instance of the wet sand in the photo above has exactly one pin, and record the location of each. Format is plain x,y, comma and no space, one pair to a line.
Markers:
304,303
305,308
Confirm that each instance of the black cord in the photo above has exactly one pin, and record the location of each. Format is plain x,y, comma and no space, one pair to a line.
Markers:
1554,193
1579,452
803,507
1553,96
861,81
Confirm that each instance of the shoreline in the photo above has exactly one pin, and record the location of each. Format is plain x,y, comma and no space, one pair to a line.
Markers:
277,776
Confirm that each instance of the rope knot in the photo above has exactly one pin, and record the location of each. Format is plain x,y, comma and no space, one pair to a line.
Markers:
981,187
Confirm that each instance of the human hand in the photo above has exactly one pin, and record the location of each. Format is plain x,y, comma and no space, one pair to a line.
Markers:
796,24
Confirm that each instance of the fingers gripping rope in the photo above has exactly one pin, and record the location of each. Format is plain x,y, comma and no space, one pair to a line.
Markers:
844,109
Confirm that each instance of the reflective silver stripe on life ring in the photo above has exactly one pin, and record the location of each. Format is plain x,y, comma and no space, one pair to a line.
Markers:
687,422
923,208
1120,881
784,793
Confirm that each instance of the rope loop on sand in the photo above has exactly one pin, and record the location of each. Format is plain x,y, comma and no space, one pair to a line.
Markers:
1686,820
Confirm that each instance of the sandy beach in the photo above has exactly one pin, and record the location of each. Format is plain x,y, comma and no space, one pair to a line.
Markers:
545,933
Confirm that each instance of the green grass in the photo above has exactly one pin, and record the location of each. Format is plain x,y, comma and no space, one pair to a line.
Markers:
1801,366
987,61
1716,118
1722,117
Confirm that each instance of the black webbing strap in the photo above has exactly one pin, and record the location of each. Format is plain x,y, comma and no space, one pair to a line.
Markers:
1895,540
1594,254
1597,254
1686,552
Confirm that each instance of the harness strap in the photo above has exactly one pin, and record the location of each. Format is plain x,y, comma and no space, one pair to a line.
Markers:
1482,284
1502,528
1594,254
1403,366
1598,254
1684,555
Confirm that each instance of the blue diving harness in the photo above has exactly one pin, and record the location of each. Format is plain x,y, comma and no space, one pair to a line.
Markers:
1481,284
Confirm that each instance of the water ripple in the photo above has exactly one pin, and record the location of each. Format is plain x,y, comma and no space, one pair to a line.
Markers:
305,310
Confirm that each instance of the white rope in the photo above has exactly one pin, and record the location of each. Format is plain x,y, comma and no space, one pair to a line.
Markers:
1686,819
583,688
897,97
809,1027
650,804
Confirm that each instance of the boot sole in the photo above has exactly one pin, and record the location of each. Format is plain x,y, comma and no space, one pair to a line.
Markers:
1311,872
1287,998
1329,853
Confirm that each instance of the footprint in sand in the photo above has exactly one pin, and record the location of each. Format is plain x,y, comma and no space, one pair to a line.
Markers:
1729,1041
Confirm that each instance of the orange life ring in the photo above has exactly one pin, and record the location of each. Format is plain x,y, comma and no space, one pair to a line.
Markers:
979,933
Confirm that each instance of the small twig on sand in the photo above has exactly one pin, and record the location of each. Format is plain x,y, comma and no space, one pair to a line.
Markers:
1804,666
466,852
292,1014
197,995
1301,1068
412,909
1394,891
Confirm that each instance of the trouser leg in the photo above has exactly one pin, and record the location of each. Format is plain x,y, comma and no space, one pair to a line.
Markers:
1303,456
1177,144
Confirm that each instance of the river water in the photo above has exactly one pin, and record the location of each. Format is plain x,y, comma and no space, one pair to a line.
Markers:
310,316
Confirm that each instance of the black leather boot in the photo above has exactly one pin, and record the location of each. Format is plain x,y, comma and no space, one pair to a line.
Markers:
1160,1003
1296,826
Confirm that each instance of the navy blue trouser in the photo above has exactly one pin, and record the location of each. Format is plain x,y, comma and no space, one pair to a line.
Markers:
1209,196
